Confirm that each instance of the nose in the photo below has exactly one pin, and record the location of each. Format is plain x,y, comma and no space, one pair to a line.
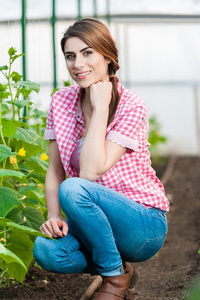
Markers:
79,62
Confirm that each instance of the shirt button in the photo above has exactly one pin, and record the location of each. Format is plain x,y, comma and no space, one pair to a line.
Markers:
74,141
83,125
78,117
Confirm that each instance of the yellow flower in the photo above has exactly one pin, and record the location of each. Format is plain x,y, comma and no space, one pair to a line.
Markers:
22,152
40,186
13,160
44,156
3,240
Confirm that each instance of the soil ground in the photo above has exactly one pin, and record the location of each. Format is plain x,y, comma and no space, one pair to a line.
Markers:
166,276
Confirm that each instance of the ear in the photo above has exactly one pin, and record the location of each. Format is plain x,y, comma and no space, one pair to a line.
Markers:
108,60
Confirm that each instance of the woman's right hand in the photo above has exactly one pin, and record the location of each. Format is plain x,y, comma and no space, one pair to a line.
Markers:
55,227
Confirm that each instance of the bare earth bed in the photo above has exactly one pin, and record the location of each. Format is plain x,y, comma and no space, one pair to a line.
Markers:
166,276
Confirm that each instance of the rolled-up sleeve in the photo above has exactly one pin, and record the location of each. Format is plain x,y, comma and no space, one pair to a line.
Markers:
50,133
126,129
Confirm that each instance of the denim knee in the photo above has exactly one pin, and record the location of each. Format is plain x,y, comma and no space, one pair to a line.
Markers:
40,251
71,191
45,254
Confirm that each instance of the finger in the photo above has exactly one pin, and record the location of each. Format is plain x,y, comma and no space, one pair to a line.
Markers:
45,231
65,228
47,228
56,228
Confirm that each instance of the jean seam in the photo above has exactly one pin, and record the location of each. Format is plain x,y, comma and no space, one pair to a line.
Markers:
164,234
64,251
144,214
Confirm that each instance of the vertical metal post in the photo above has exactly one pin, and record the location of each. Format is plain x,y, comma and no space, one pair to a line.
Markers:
79,10
108,11
95,8
53,21
23,24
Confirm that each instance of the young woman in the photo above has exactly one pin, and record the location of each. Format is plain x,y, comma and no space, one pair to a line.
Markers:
114,204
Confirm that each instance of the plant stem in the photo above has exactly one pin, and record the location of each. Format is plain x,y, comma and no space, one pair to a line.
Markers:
2,275
9,86
1,131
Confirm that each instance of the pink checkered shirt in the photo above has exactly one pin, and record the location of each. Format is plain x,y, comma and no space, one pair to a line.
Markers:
132,175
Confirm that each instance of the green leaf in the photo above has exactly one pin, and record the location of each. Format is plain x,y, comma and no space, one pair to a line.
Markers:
15,215
3,68
25,92
3,93
12,51
4,109
25,229
39,177
5,152
34,195
34,217
27,136
194,290
9,257
33,86
39,113
9,127
31,149
3,88
54,91
8,200
16,56
67,83
6,222
38,165
16,76
21,245
22,103
8,185
12,173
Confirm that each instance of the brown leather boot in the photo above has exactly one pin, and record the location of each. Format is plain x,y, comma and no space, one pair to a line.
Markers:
115,288
133,274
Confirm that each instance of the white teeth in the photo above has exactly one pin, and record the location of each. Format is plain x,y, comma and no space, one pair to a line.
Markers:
83,74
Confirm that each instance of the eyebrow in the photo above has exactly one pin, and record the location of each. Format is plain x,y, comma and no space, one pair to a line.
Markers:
69,52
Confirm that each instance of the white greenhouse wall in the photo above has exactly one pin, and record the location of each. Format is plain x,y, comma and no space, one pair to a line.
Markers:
159,61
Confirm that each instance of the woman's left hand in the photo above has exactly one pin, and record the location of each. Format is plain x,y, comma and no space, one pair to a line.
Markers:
100,95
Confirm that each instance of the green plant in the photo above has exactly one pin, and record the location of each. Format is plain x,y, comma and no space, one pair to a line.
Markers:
194,290
155,138
23,165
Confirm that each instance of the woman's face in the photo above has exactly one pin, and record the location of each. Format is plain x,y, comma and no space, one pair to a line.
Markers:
85,65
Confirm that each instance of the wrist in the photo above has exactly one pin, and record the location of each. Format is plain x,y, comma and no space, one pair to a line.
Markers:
101,110
51,216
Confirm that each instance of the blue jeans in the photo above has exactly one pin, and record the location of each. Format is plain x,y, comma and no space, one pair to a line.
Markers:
105,228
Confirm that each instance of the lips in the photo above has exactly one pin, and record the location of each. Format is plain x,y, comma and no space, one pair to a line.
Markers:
83,74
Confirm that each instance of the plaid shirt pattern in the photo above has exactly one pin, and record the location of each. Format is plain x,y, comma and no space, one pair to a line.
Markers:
132,175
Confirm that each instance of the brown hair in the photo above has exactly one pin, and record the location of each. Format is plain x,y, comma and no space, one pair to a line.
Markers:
96,35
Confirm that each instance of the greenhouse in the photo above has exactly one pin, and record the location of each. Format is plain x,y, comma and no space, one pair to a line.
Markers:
159,45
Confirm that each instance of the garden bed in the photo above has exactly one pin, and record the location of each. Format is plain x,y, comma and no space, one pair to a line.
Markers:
166,276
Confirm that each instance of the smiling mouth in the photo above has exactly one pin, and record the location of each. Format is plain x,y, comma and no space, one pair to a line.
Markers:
83,75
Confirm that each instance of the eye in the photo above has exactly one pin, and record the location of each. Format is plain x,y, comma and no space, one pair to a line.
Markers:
86,53
69,56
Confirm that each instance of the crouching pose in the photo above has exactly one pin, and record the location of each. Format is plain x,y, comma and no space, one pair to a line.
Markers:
114,205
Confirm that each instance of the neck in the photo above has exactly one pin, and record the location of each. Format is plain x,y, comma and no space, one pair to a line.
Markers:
86,96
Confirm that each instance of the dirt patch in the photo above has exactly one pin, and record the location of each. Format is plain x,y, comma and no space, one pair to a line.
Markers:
166,276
